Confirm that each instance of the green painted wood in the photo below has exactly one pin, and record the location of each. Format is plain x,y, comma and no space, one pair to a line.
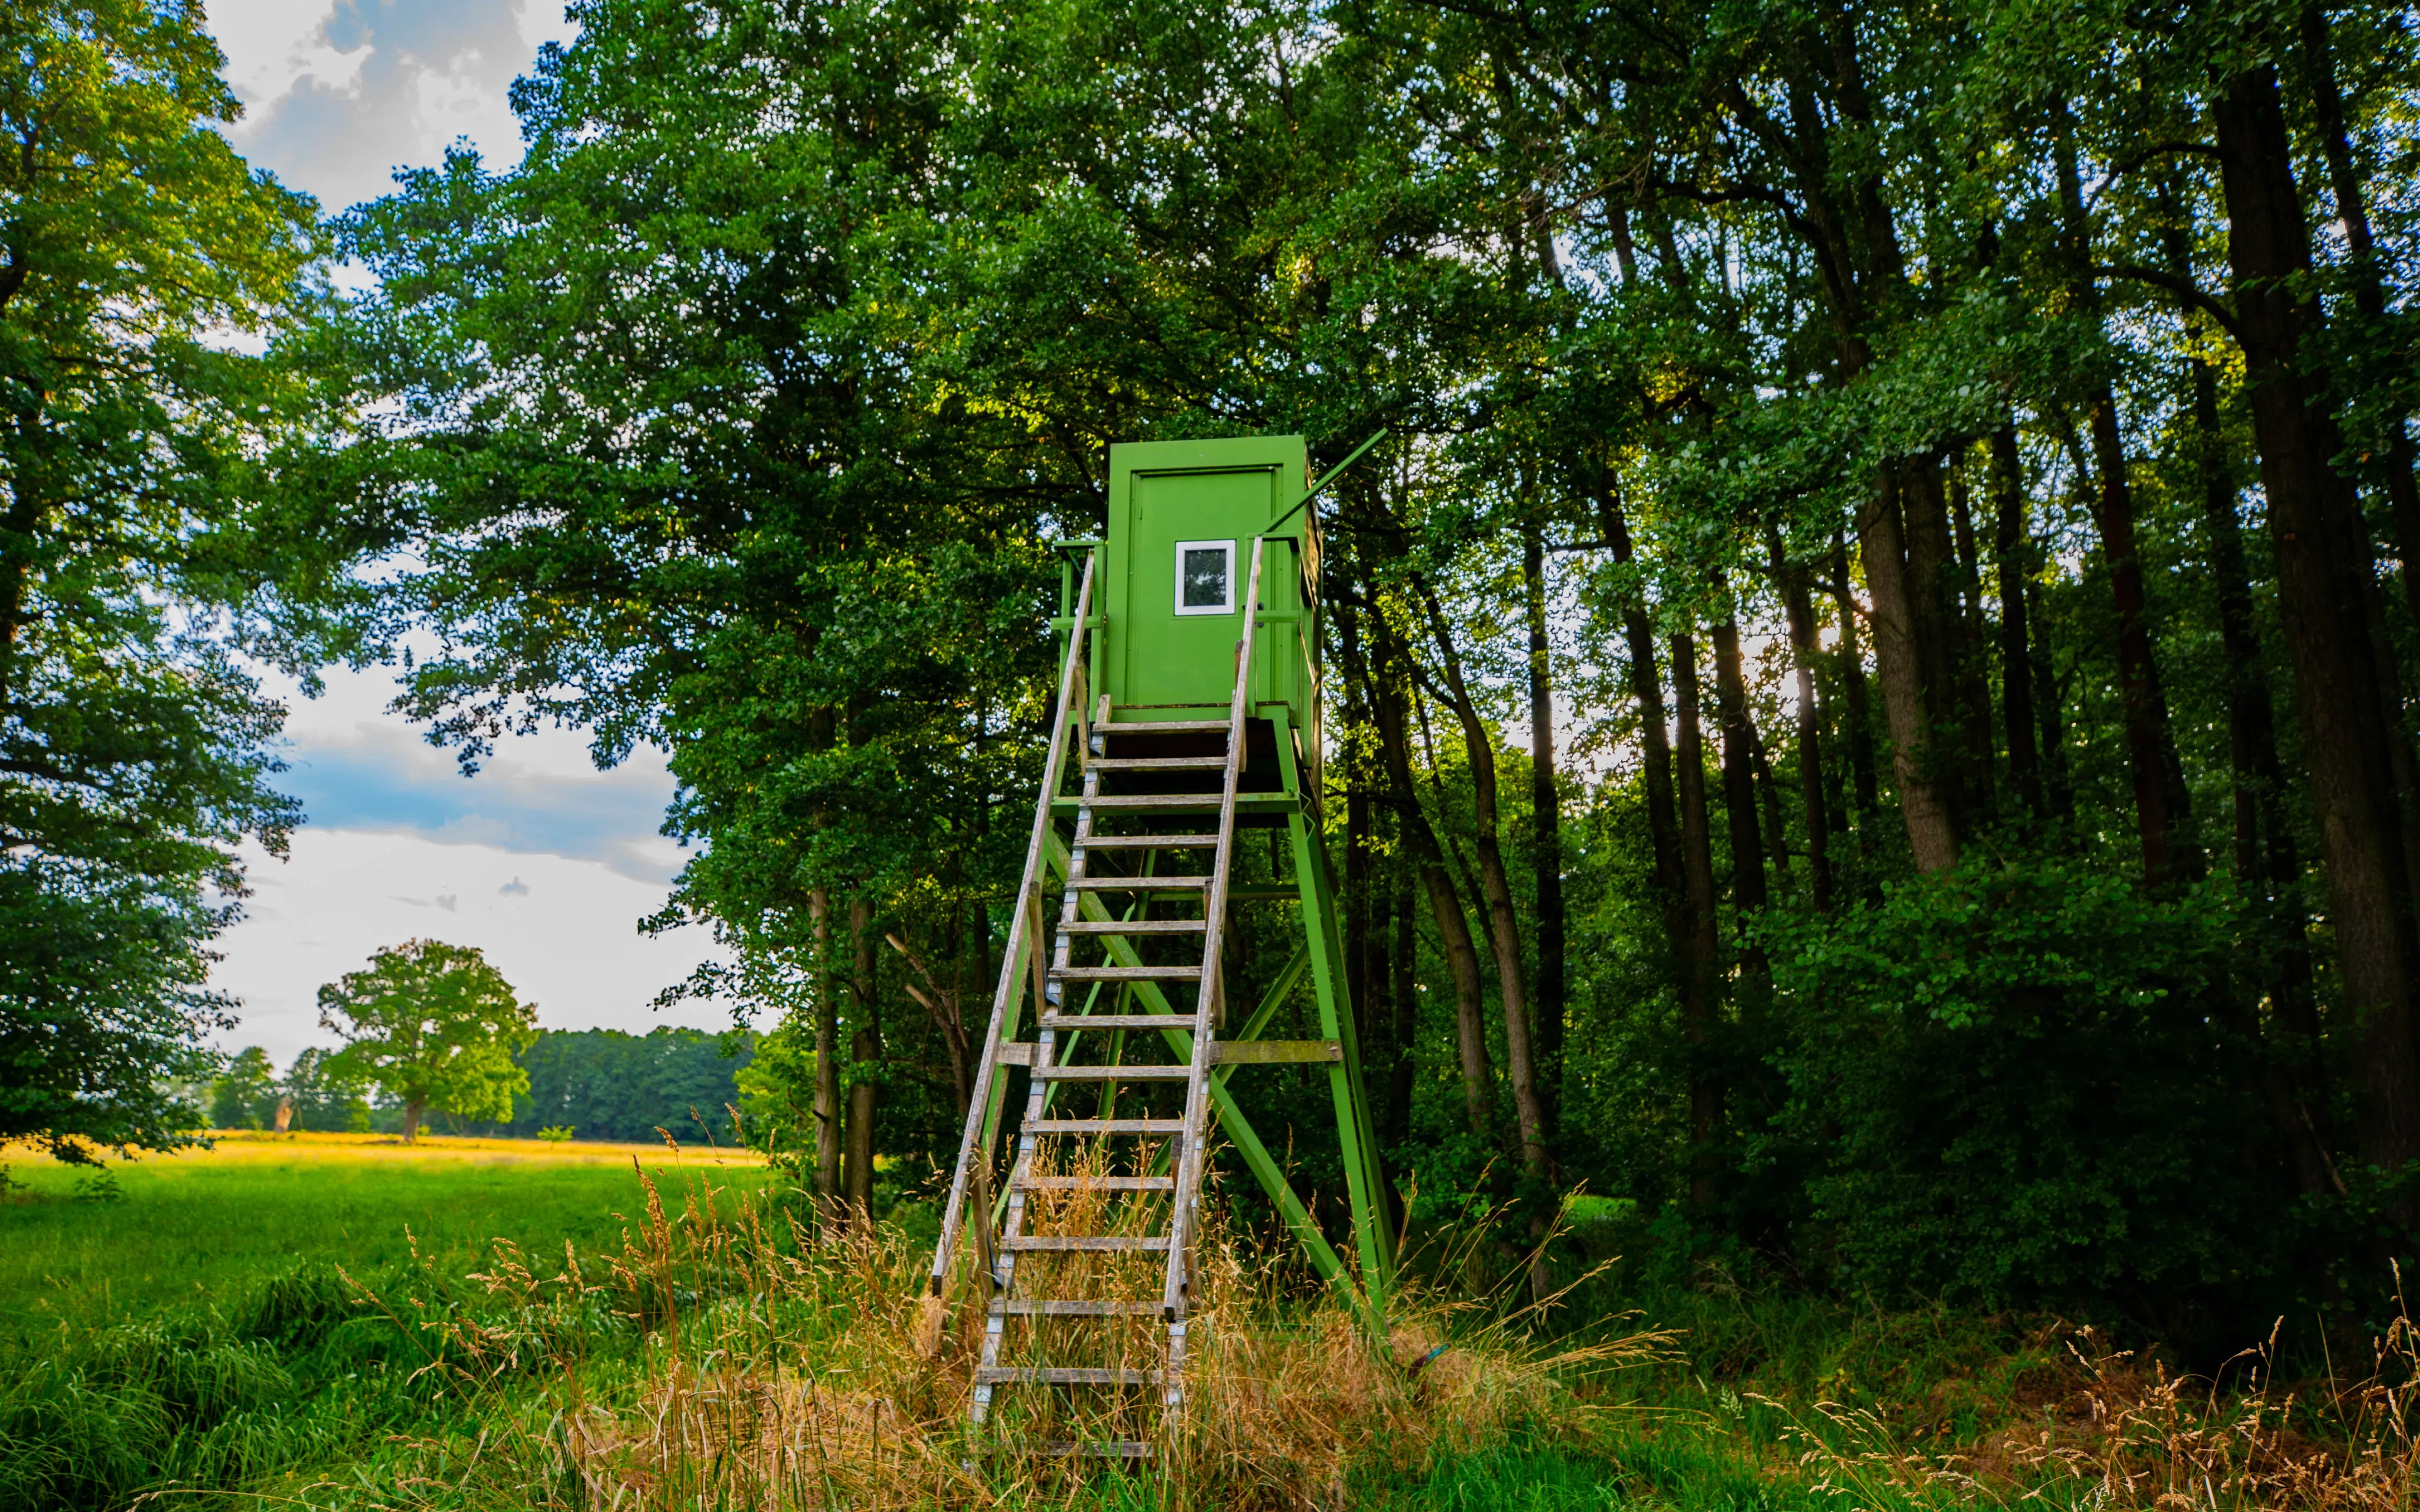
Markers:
1161,650
1364,1176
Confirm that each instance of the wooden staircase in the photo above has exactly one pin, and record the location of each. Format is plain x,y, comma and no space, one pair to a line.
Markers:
1094,1233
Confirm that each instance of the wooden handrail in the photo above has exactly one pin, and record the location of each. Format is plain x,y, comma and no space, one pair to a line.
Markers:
972,1145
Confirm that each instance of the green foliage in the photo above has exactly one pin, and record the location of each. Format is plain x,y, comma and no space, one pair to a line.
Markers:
142,543
614,1086
434,1025
246,1094
326,1097
2024,1083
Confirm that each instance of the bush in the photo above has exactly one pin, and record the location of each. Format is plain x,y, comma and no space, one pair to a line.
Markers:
2025,1085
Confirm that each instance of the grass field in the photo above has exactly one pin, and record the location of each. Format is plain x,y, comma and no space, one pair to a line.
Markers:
207,1224
188,1339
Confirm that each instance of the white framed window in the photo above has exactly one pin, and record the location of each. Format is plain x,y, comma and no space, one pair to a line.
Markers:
1205,576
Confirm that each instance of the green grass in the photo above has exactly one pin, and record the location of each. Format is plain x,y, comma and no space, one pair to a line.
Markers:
207,1226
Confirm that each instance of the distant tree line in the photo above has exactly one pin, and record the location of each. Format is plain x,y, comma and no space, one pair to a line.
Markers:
599,1083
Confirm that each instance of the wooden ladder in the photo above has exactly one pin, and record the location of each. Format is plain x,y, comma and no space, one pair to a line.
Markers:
1135,1180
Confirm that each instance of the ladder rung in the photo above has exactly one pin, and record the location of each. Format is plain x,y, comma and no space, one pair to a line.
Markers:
1138,926
1085,1242
1100,1183
1162,727
1045,1307
1159,764
1111,1073
1103,1126
1126,973
1136,883
986,1375
1147,842
1150,800
1121,1021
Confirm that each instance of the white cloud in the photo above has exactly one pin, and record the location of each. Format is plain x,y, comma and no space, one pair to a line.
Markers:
339,93
567,939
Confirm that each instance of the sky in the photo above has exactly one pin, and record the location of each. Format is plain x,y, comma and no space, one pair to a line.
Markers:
541,861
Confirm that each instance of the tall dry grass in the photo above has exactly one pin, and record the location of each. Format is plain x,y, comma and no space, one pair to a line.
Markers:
2104,1428
777,1374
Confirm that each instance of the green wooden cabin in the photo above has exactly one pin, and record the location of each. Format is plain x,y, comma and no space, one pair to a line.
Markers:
1182,520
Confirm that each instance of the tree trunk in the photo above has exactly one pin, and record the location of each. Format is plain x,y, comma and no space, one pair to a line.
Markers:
1545,836
1748,892
413,1107
827,1103
1358,948
1805,653
1701,967
1972,673
1504,933
865,1049
1638,634
2012,553
1852,663
1931,825
2335,680
2160,817
1406,1069
2368,288
1453,926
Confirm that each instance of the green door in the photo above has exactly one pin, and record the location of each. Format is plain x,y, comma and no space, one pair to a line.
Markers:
1185,564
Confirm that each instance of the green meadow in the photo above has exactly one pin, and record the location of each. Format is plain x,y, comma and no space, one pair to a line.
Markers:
84,1248
343,1323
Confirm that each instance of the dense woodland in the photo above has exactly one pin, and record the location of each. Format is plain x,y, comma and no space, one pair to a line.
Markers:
1870,682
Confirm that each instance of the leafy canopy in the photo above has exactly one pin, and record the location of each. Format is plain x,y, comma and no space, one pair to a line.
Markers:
141,454
435,1026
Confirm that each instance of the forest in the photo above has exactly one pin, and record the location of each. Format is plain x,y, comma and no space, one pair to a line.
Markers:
1869,677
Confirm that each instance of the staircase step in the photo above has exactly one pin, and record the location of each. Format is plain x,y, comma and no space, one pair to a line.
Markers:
1040,1307
1176,973
1137,926
1164,727
1111,1073
1103,1126
1136,883
1063,1022
986,1375
1147,842
1099,1184
1159,764
1088,1243
1148,800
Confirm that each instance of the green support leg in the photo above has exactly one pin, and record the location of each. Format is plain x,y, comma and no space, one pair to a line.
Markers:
1364,1179
1238,1129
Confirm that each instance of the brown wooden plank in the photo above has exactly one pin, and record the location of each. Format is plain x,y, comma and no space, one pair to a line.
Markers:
1113,1073
1138,884
1104,1126
1088,1242
1120,1020
1066,1375
1135,926
1100,1183
1045,1307
1176,973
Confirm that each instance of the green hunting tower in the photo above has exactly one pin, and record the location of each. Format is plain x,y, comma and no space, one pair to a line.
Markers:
1189,692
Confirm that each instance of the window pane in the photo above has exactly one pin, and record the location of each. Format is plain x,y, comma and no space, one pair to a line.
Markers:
1205,577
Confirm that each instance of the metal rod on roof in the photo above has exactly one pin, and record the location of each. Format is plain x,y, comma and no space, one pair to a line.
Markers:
1313,492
